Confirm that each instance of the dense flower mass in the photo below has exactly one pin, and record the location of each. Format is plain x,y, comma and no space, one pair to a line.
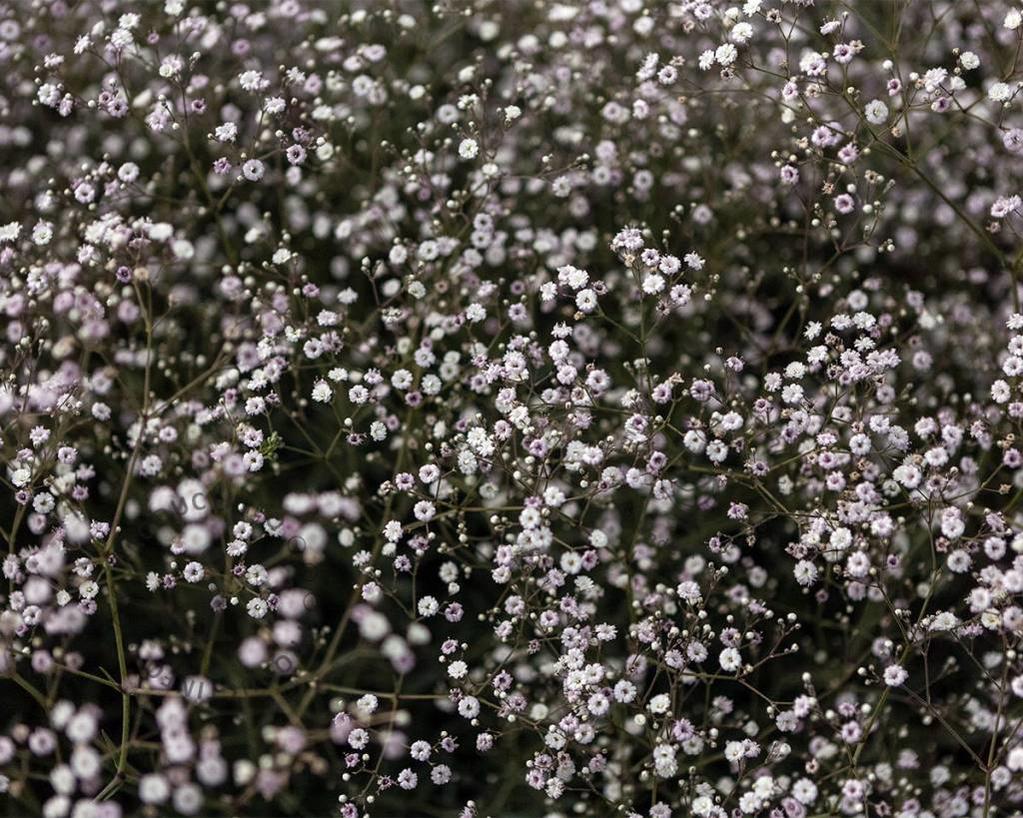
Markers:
502,408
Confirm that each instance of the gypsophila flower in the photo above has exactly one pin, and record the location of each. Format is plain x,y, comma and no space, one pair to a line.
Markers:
459,409
253,170
876,112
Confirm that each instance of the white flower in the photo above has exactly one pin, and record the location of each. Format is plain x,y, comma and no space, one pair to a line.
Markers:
805,573
952,524
121,39
876,112
653,284
895,675
624,692
226,132
128,172
734,750
726,54
812,63
42,233
586,300
170,66
153,788
573,277
252,81
322,392
804,791
730,660
933,79
48,94
944,621
253,170
257,608
468,149
10,231
741,32
999,92
469,707
401,379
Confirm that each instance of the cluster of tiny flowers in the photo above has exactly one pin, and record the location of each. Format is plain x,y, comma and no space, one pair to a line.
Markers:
503,408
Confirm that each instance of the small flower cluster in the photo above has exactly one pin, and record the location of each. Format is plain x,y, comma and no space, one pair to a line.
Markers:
593,407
